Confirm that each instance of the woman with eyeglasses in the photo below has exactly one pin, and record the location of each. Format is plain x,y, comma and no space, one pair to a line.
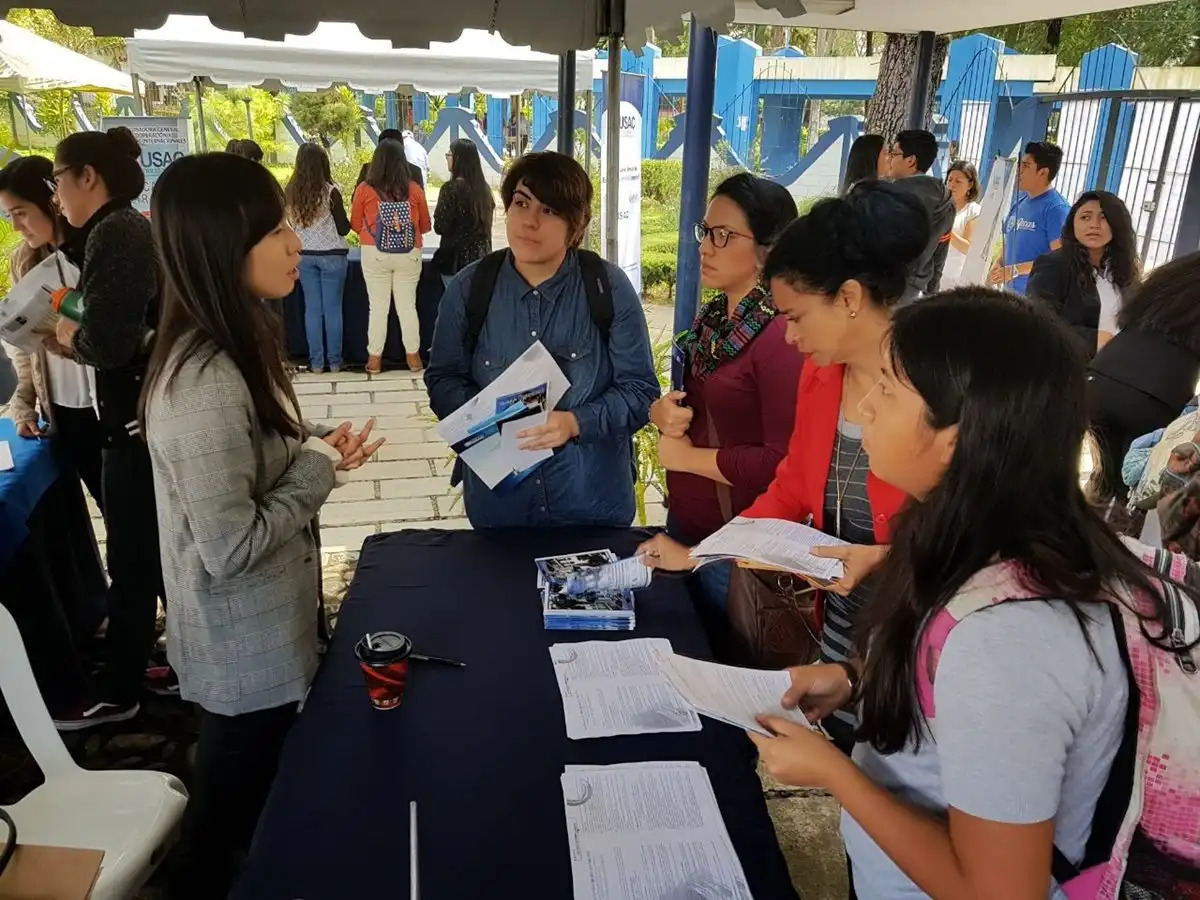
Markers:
836,274
97,176
464,212
723,435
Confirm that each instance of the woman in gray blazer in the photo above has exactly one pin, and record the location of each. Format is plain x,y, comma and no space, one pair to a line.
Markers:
239,478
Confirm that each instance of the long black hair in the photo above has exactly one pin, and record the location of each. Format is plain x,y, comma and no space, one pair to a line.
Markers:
388,171
28,179
863,161
768,206
208,213
1166,303
869,236
115,155
1011,491
465,164
1120,256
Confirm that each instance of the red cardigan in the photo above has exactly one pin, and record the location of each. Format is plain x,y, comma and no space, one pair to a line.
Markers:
798,490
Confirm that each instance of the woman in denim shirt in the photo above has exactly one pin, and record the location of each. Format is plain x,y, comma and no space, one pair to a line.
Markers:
539,296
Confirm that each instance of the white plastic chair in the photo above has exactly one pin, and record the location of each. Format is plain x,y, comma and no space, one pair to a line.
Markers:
131,816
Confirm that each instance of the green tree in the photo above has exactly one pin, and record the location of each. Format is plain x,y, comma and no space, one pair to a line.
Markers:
1161,34
333,114
228,109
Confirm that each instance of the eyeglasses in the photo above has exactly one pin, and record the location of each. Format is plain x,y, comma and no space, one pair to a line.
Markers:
52,181
719,235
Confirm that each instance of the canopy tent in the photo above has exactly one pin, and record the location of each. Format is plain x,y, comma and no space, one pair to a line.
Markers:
565,25
337,53
32,63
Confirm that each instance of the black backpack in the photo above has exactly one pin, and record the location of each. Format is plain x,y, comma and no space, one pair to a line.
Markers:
483,282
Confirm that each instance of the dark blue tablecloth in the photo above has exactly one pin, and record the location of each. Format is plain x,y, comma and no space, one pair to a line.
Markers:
480,749
355,311
22,487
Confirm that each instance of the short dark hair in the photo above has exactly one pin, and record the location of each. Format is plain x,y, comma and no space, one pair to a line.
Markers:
114,154
768,207
1046,155
972,175
921,144
557,181
870,235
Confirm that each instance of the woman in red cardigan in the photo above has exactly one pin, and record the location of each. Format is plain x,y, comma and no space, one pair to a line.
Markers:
724,435
835,274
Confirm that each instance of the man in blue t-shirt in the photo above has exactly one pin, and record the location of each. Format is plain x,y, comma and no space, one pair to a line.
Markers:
1035,223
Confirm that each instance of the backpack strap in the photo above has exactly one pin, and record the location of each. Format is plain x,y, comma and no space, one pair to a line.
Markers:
596,284
479,296
598,288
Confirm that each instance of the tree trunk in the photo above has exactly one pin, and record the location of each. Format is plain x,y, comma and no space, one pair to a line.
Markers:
887,111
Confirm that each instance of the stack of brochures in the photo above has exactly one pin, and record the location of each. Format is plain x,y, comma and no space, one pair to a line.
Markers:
569,610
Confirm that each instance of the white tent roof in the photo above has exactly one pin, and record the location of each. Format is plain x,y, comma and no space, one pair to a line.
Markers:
337,53
557,25
32,63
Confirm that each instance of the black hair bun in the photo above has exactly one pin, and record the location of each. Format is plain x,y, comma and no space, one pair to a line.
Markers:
124,141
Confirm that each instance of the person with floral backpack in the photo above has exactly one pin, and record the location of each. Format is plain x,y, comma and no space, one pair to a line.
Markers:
390,214
1030,712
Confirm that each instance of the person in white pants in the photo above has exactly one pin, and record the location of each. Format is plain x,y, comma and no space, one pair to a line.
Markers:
390,275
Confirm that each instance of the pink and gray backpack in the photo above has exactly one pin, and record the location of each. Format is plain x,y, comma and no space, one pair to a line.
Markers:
1145,838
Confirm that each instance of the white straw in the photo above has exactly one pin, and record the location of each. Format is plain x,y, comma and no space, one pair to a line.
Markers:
414,891
368,640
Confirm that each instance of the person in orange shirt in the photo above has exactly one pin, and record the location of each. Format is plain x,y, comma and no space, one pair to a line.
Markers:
391,249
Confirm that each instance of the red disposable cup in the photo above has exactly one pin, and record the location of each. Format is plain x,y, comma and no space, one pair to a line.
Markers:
383,658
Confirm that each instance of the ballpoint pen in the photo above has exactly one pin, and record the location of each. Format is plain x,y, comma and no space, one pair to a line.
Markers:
421,657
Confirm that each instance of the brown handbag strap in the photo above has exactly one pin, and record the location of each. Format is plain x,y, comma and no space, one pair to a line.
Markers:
724,494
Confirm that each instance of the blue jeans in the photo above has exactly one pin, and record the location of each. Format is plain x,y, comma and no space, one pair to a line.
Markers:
323,279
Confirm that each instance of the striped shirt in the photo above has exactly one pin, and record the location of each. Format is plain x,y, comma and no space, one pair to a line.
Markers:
849,468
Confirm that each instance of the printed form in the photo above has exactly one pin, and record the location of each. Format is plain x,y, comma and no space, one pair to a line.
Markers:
773,542
618,687
649,831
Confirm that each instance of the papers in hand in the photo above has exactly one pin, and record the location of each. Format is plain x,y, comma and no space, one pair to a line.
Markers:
729,694
617,687
483,431
593,610
26,315
773,543
641,830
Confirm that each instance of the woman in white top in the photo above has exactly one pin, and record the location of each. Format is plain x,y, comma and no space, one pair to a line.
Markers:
963,183
54,396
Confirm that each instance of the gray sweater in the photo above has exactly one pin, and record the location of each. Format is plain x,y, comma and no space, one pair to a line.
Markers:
236,521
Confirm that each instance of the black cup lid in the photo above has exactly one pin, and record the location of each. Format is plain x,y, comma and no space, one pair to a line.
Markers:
379,647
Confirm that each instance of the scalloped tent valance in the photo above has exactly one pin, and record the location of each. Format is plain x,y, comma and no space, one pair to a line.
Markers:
336,53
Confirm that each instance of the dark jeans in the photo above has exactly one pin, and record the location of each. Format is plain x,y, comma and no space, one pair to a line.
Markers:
78,443
324,280
134,568
709,590
236,759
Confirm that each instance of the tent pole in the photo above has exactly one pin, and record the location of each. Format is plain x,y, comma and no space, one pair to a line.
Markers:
136,84
612,139
697,153
566,103
200,114
918,101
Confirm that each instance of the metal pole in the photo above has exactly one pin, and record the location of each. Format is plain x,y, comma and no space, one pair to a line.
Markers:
200,114
1114,110
249,118
697,151
1162,177
612,139
566,103
136,84
918,101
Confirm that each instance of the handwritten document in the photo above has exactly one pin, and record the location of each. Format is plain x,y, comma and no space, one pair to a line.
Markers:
775,543
649,830
729,694
618,687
